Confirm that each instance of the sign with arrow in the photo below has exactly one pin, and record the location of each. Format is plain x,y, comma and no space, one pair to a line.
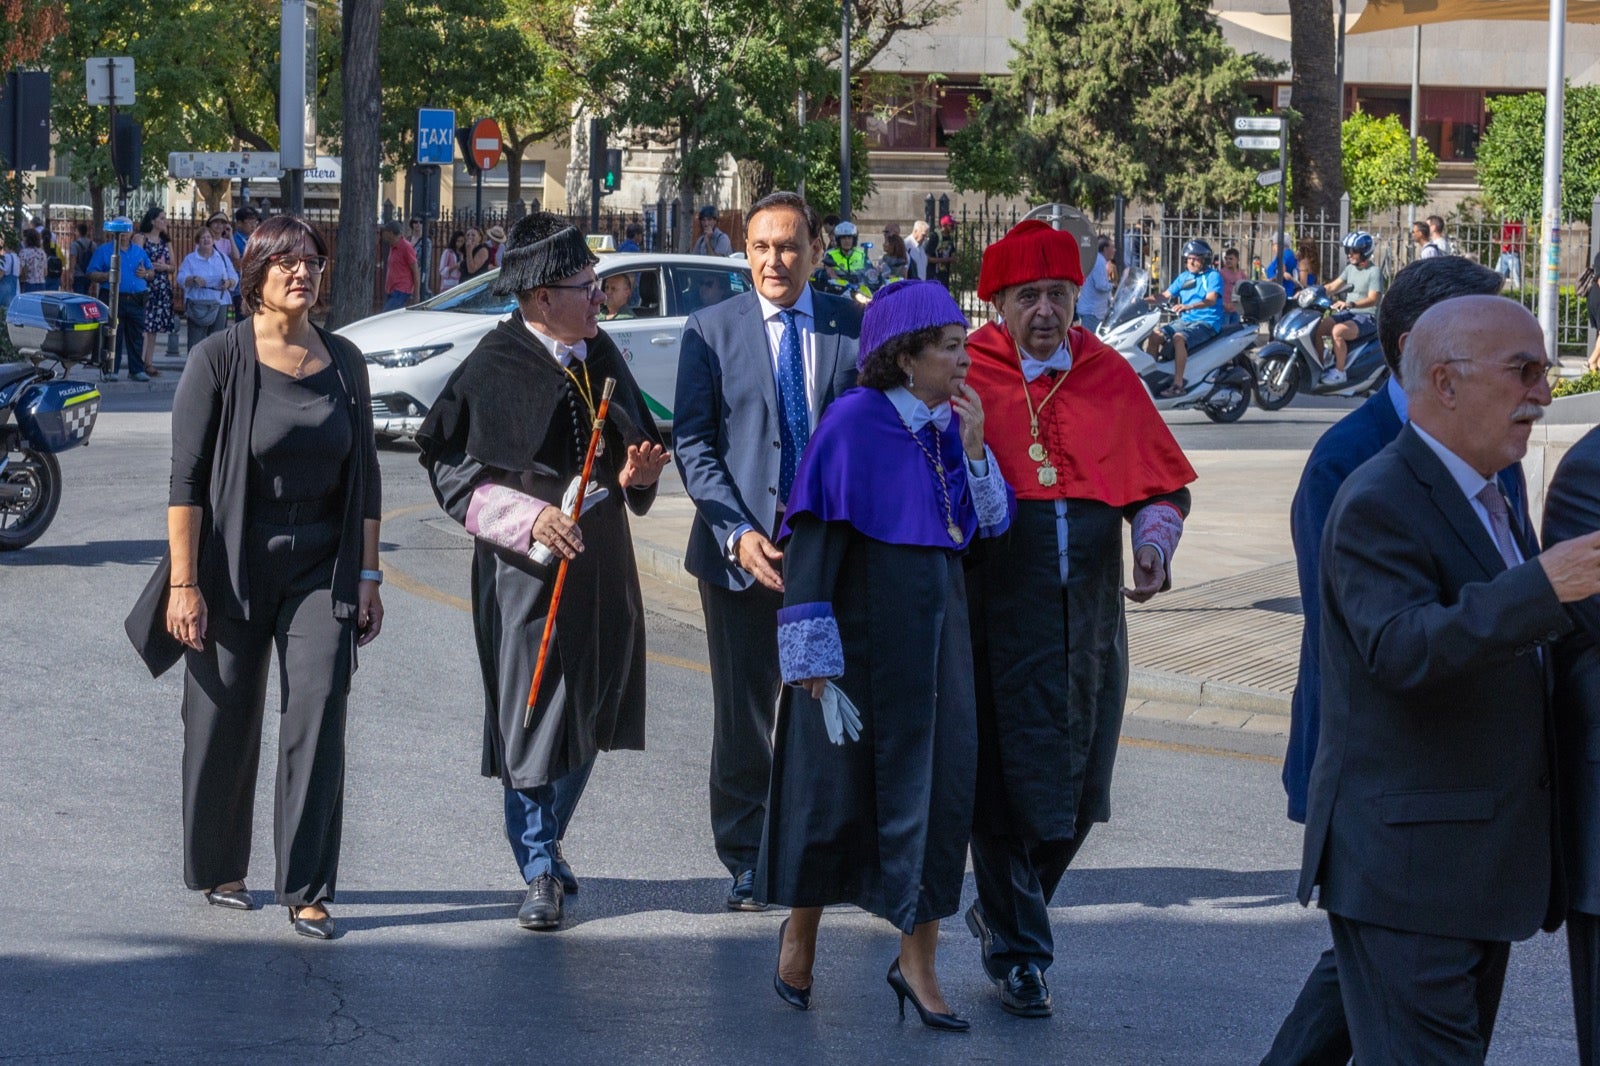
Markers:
1262,144
1269,177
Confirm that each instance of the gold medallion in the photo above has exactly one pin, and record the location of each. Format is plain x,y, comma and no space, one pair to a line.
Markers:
955,532
1047,475
1036,452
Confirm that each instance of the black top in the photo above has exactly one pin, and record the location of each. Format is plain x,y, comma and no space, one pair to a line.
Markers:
300,437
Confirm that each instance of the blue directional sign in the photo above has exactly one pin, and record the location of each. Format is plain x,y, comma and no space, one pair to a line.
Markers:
436,136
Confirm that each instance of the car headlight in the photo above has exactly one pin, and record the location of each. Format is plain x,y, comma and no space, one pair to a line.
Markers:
399,357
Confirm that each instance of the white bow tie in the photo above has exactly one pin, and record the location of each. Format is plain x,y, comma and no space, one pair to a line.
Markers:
1060,360
921,416
579,351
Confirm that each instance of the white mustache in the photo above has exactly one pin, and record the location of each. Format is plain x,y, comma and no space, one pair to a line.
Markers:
1530,412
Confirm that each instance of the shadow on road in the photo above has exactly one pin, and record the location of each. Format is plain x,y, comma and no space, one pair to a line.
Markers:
94,553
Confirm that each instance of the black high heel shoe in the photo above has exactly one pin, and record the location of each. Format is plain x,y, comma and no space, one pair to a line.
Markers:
315,928
798,998
902,988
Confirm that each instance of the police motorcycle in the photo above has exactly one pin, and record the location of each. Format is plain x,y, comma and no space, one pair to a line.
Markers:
1295,361
853,275
42,411
1219,375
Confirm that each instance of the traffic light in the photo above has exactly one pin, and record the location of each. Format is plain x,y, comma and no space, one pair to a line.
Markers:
464,139
611,177
127,150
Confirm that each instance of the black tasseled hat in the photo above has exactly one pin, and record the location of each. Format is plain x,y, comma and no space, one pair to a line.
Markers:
543,250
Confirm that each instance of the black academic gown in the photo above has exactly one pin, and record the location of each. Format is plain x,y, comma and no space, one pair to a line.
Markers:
1056,661
513,417
881,822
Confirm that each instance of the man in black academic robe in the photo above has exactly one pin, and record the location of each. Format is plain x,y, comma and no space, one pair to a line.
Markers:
504,446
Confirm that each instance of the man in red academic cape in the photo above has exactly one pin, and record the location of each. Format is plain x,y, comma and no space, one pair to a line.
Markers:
1078,438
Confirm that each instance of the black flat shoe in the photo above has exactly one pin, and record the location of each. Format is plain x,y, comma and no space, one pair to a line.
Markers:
798,998
980,929
948,1023
315,928
233,899
563,871
1025,994
742,896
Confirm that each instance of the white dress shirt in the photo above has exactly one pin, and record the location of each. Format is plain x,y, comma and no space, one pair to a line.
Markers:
1470,482
805,322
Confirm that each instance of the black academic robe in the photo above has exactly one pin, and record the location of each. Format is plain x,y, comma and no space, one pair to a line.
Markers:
881,822
510,415
1050,667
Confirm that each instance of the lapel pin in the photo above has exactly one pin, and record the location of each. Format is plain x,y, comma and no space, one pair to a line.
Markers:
833,323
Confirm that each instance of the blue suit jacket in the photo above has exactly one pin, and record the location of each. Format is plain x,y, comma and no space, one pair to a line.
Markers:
726,425
1351,441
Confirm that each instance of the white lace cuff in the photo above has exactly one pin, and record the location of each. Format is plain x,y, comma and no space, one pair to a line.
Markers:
989,494
808,643
503,516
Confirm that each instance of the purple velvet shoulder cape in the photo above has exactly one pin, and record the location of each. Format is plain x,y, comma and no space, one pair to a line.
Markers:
863,467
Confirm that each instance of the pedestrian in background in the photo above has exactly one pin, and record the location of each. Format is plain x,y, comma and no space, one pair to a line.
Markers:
54,260
1079,440
1592,301
10,273
942,251
1509,263
1095,299
450,261
79,252
273,540
158,314
475,257
132,290
894,259
631,238
711,241
1436,236
422,245
754,371
31,263
402,279
893,488
495,241
1232,273
503,445
208,282
916,253
1310,262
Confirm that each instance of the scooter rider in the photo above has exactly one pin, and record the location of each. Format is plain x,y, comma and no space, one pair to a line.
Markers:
844,256
1197,296
1361,282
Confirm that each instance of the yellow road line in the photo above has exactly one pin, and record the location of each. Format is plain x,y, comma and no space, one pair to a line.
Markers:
1199,749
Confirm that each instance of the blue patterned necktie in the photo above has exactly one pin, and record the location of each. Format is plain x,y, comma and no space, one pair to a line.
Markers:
795,420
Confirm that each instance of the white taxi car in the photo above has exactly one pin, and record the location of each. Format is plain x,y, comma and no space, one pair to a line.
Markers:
412,352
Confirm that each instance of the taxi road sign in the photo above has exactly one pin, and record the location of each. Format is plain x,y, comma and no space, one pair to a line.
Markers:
486,144
436,136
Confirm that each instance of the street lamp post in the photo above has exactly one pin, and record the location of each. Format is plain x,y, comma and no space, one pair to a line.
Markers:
844,111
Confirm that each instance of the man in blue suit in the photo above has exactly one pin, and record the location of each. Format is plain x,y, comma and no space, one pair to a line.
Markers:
754,374
1315,1033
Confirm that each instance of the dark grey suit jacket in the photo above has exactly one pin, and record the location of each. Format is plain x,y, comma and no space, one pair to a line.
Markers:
1430,806
1571,509
725,420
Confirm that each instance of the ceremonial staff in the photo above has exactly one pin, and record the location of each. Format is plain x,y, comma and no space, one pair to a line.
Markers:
561,570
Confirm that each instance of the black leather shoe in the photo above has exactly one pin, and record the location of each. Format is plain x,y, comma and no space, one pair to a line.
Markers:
233,899
1024,993
542,907
315,928
949,1023
798,998
742,896
563,870
981,930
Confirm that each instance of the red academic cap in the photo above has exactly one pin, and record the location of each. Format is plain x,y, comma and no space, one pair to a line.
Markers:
1032,251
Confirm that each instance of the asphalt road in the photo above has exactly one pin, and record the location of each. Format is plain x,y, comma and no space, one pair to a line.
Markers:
1177,935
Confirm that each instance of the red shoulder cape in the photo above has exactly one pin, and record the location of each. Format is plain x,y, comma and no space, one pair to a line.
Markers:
1102,433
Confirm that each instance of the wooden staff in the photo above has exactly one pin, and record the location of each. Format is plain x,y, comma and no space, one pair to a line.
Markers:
561,570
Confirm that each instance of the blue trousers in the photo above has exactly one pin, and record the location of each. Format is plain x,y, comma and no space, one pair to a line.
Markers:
538,817
396,300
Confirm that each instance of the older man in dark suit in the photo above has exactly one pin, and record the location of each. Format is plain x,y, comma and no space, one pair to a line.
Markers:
754,374
1314,1033
1430,818
1572,509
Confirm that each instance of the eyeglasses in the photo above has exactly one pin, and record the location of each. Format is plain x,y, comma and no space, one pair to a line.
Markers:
289,263
592,288
1529,371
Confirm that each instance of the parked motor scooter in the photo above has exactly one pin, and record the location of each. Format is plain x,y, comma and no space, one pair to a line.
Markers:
1218,375
1294,360
42,412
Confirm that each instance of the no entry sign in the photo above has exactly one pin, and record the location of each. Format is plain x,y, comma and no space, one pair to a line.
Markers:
486,144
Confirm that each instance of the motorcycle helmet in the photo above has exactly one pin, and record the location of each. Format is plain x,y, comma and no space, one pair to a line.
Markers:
844,229
1199,248
1358,241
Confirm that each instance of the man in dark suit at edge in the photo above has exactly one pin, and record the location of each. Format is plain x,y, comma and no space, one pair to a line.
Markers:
1430,817
1314,1033
754,374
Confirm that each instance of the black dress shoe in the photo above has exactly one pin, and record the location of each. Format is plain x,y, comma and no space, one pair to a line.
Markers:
948,1023
1025,994
798,998
315,928
233,899
981,930
542,907
563,870
742,896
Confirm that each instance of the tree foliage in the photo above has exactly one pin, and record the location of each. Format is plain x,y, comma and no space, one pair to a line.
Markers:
1315,138
1107,97
1511,153
1377,164
539,103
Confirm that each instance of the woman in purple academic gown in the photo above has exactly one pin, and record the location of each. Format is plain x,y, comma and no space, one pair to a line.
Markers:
894,485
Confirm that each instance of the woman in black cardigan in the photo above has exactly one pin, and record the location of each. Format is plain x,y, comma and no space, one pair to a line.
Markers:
273,525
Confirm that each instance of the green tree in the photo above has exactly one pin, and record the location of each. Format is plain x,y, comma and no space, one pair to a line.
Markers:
708,80
1511,153
819,148
1377,164
537,107
1107,97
